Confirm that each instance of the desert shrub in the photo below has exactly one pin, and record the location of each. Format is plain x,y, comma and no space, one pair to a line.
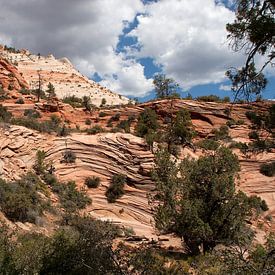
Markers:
103,102
19,200
213,98
63,131
233,122
5,115
116,188
31,113
102,114
115,117
147,121
268,169
69,157
24,91
253,135
88,121
125,125
95,130
70,198
208,144
49,179
92,182
20,101
221,134
74,101
254,118
86,103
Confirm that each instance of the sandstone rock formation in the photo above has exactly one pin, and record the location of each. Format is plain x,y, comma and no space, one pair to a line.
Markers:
61,73
106,154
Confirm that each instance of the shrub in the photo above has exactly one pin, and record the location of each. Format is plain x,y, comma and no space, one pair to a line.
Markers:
213,98
31,113
69,157
103,102
74,101
208,144
19,200
20,101
115,189
115,117
63,131
92,182
5,115
125,125
222,133
268,169
24,91
88,121
102,114
253,135
95,130
70,198
147,121
254,118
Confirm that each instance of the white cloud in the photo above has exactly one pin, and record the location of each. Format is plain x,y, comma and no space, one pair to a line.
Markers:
86,31
188,39
225,87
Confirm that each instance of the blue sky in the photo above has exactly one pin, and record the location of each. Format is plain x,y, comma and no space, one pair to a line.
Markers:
122,44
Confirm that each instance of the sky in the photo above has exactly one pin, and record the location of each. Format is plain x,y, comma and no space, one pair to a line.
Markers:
122,44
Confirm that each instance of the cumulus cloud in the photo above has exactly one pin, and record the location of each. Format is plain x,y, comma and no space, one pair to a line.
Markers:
225,87
86,31
188,39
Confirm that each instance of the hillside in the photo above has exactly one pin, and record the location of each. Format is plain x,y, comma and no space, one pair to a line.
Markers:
67,81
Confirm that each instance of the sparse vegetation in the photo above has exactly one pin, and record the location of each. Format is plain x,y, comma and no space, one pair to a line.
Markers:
116,188
268,169
95,130
69,157
92,182
213,98
147,122
74,101
5,115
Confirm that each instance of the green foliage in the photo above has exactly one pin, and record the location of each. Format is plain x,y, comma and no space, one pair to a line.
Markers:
74,101
164,87
84,247
31,113
92,182
69,157
20,101
116,188
253,135
24,91
115,117
213,98
253,32
95,130
268,169
180,130
39,166
19,200
86,103
102,114
125,125
88,121
70,198
48,126
222,133
103,102
51,90
5,115
208,144
198,201
147,122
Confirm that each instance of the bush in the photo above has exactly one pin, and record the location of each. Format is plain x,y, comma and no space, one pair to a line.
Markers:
208,144
125,125
253,135
69,157
74,101
254,118
92,182
103,102
19,200
20,101
213,98
88,121
102,114
268,169
70,198
31,113
115,117
221,134
5,115
115,189
95,130
147,122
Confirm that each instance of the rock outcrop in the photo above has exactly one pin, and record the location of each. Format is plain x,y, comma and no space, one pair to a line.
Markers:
65,78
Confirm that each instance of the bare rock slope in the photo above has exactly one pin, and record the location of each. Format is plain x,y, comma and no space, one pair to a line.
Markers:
66,79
